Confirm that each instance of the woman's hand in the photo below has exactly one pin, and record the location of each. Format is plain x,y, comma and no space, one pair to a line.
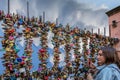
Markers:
89,76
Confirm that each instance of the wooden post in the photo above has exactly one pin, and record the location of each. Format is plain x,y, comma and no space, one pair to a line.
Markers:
98,31
56,21
104,31
27,8
43,17
8,6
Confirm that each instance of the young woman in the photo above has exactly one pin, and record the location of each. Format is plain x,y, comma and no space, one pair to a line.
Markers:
108,65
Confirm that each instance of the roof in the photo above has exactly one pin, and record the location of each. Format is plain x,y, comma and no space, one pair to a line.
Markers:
113,11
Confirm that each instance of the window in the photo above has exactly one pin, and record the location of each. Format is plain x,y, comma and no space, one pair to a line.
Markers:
114,23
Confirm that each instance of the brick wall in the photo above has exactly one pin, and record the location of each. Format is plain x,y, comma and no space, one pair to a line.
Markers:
115,31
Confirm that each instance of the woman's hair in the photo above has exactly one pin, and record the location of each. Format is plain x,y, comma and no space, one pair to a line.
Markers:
110,55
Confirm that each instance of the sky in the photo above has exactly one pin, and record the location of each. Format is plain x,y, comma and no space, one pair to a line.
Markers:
81,13
78,13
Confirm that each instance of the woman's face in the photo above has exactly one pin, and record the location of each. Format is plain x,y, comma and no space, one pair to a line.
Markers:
101,58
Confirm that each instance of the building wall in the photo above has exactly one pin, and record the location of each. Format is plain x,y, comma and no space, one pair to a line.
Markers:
115,31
